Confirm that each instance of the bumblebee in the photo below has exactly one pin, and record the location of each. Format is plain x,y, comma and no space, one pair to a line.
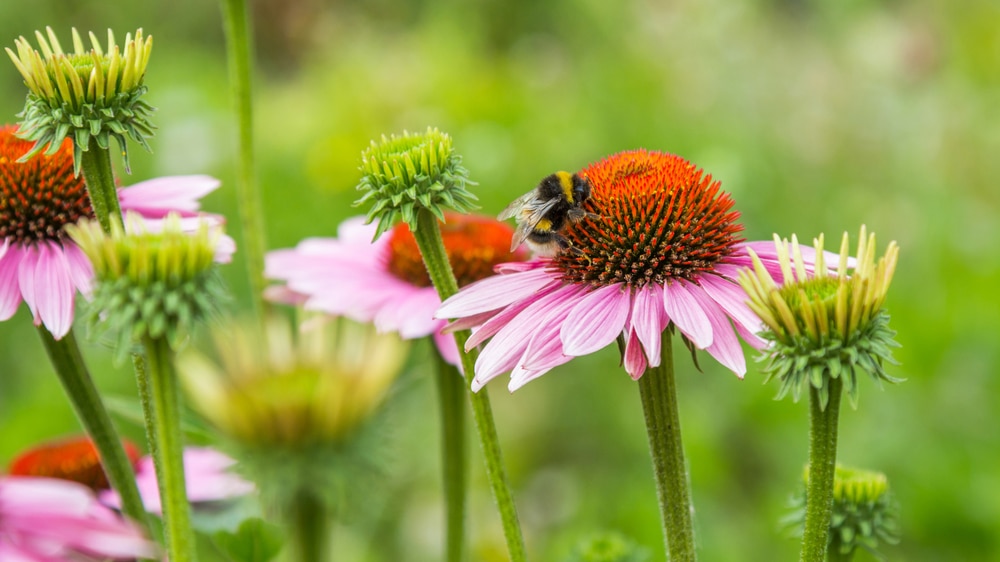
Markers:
544,211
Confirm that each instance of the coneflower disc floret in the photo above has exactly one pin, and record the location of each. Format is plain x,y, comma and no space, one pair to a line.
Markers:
824,327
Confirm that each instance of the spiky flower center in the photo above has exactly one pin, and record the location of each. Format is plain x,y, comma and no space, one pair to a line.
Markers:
40,196
659,217
75,459
474,244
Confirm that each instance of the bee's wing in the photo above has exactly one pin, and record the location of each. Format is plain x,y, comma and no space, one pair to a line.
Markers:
515,206
531,214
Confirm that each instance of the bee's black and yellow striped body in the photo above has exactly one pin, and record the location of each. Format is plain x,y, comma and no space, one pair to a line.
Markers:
543,212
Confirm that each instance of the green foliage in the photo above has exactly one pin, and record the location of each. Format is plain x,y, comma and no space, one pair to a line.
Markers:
255,540
608,547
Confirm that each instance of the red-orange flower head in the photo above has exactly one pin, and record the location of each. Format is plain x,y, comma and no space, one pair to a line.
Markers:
474,243
660,218
40,196
72,459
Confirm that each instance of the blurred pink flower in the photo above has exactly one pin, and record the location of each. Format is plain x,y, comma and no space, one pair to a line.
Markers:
50,520
384,281
206,476
42,266
663,250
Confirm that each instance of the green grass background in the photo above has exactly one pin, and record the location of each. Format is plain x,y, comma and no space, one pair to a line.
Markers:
816,116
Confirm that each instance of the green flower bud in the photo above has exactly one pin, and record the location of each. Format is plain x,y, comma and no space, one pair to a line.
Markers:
403,174
824,326
150,284
608,547
864,512
84,95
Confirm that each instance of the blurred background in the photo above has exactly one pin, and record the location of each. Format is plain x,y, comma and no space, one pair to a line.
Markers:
816,116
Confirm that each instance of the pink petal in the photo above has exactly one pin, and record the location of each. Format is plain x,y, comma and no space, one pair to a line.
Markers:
447,347
81,272
10,288
54,286
634,359
354,231
520,377
156,197
649,319
732,298
496,292
596,320
26,279
684,310
545,349
725,346
496,322
506,348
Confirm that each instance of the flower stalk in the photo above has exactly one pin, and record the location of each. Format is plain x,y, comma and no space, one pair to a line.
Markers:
822,465
659,405
428,237
248,190
451,402
168,461
100,180
76,381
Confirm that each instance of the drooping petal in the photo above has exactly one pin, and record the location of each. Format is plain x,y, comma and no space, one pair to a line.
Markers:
545,348
495,292
634,359
10,288
497,321
596,320
725,346
686,313
649,319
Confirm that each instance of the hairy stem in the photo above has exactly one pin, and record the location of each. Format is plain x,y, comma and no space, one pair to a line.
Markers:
79,386
822,465
428,237
663,427
169,459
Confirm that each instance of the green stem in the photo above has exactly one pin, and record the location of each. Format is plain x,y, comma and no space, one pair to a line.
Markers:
247,189
146,401
308,528
68,362
451,401
822,465
428,237
100,180
169,460
663,426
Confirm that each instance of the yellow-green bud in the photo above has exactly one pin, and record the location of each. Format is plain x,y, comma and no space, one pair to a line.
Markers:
86,94
824,326
150,284
864,513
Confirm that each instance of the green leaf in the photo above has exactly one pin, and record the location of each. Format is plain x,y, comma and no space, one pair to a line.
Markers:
254,541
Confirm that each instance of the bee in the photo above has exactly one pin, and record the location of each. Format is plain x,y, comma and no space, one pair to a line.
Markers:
544,211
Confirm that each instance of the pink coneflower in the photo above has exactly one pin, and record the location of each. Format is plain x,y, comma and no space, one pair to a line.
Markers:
45,519
39,264
663,251
385,281
206,476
